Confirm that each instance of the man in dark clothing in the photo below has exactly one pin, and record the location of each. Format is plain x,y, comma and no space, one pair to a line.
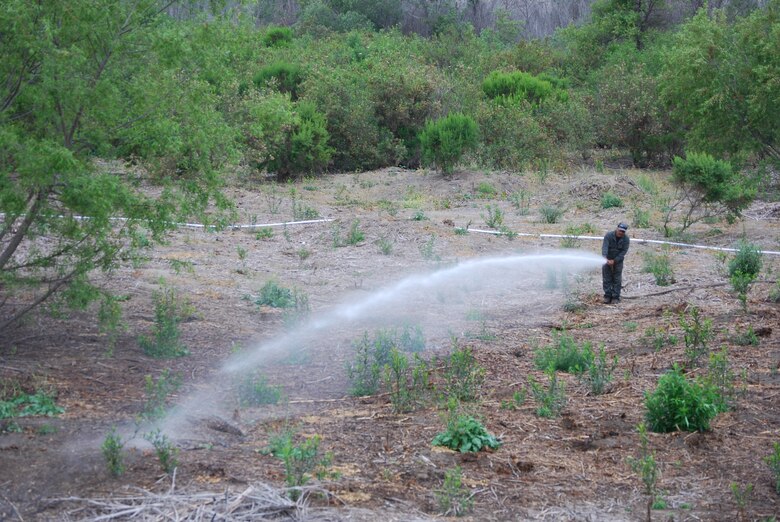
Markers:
614,249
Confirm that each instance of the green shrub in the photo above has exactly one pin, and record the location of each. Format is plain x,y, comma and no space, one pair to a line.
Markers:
454,497
495,216
550,400
112,453
698,334
275,296
463,374
565,354
164,341
744,269
551,214
444,141
372,354
407,384
466,435
660,266
678,403
156,393
300,460
287,77
165,450
21,404
641,218
518,86
276,36
610,200
254,390
646,466
599,372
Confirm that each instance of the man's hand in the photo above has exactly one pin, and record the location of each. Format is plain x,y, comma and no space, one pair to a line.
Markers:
611,262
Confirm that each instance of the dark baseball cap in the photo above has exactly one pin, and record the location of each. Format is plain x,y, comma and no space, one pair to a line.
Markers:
622,226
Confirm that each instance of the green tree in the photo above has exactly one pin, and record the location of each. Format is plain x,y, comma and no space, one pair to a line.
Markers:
720,80
444,141
78,80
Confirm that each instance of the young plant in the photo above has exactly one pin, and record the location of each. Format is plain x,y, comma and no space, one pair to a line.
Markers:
466,435
741,498
169,311
744,269
454,498
564,354
407,384
660,266
165,450
678,403
720,378
494,218
355,235
646,467
600,371
464,376
112,453
264,233
254,390
641,218
385,246
427,249
521,202
300,460
551,214
157,393
610,200
371,355
773,461
550,400
446,140
697,335
275,296
517,400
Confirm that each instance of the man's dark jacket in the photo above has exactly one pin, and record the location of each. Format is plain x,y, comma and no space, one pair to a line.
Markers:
614,248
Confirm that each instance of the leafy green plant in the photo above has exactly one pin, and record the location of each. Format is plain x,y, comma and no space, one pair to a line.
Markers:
407,385
254,390
169,311
514,87
419,216
22,404
287,77
427,249
112,453
157,392
494,218
744,269
641,218
721,378
741,498
521,202
165,449
277,36
550,400
385,246
300,460
274,295
564,354
610,200
264,233
486,190
646,467
371,355
454,498
746,337
600,371
678,403
660,266
697,335
773,461
466,435
551,214
517,400
463,375
657,337
445,141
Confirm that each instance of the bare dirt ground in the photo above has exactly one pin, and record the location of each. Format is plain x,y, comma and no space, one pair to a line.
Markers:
573,467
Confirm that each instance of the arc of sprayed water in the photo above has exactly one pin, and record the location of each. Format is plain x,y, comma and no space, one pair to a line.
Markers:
353,311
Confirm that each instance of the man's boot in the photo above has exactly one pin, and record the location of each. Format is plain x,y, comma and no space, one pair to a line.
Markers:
607,299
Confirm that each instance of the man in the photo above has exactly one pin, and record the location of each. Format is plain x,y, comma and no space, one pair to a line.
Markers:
614,249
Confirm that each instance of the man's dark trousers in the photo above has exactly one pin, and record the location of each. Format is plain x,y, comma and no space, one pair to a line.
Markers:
612,279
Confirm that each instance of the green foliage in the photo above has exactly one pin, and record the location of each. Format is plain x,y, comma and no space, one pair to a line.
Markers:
518,399
427,249
720,378
517,86
495,216
165,450
444,141
599,372
744,269
564,354
745,337
646,467
466,435
169,311
658,337
551,214
21,404
355,235
610,200
719,77
697,335
254,390
678,403
112,453
156,393
276,36
641,218
463,374
300,460
287,77
373,354
550,400
407,384
521,202
773,461
454,498
706,188
660,266
275,296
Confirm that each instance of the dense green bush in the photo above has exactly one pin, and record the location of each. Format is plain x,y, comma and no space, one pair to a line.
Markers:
518,86
465,434
276,36
679,403
287,77
444,141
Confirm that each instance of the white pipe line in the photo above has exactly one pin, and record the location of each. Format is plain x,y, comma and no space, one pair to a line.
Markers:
639,240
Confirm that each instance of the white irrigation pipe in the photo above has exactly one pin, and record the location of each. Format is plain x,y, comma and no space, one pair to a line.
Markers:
639,240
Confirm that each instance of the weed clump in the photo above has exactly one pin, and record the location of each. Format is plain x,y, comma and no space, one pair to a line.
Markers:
112,453
660,266
466,435
550,400
254,390
169,311
744,269
564,354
